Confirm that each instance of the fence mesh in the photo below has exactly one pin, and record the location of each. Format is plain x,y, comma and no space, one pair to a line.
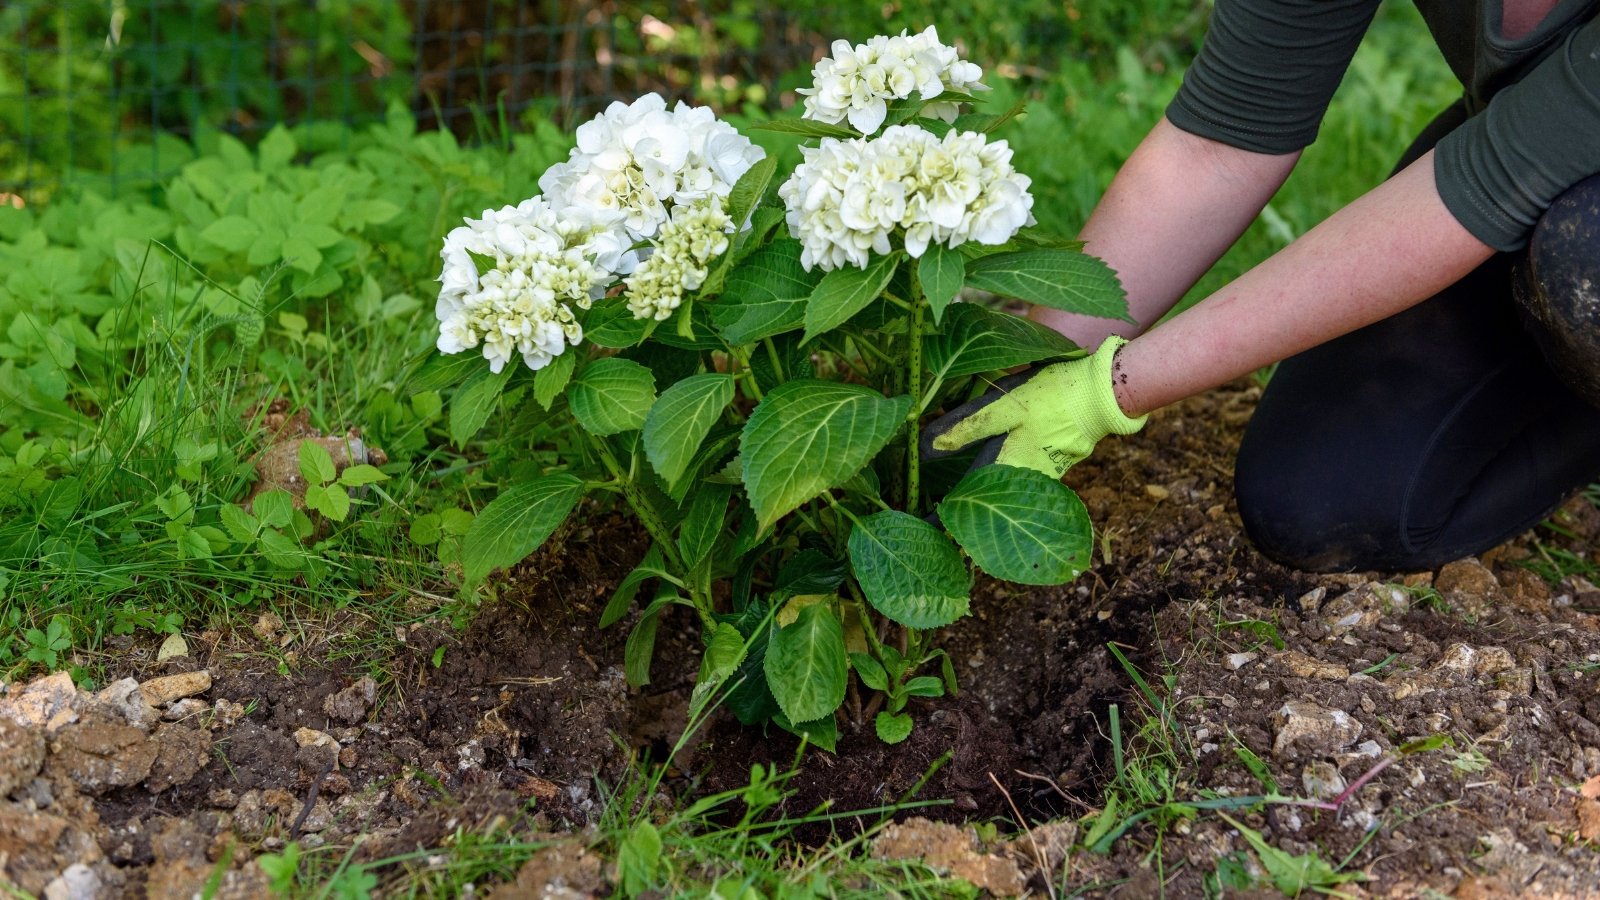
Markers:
108,92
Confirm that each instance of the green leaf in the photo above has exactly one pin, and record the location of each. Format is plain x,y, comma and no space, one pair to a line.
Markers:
712,450
277,149
316,463
234,234
871,671
977,339
649,567
425,530
702,525
1019,524
641,646
471,406
844,292
942,272
987,123
925,686
609,323
356,476
515,523
281,550
1293,875
1060,279
724,653
822,733
274,508
550,381
809,572
612,395
765,294
909,570
749,189
892,728
241,526
805,128
330,500
638,858
806,665
677,425
808,436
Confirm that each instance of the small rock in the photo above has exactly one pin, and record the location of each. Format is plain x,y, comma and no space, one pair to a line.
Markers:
1301,665
1321,779
1236,660
952,850
351,704
1492,661
99,755
164,690
1306,729
1311,600
320,818
21,755
76,882
222,798
348,758
226,714
1469,586
1157,492
184,709
310,737
267,626
181,752
46,703
1363,607
564,871
126,700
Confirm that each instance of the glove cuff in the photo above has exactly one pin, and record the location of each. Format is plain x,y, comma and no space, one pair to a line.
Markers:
1100,410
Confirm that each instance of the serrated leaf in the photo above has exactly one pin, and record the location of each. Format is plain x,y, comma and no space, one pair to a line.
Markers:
977,339
844,292
330,500
611,396
942,272
870,671
240,525
550,381
809,572
712,450
1060,279
765,294
1019,524
281,550
517,522
702,524
359,475
748,190
677,424
471,406
806,128
806,665
316,463
808,436
892,728
609,323
822,733
909,570
274,508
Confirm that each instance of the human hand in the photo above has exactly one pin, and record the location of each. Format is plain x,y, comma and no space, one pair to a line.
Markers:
1048,418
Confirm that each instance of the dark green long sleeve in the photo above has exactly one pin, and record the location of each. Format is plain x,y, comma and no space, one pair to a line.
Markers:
1268,68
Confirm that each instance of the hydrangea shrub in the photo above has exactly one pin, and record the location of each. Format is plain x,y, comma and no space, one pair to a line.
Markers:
745,359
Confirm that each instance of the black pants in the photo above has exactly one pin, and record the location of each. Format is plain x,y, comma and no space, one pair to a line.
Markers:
1442,431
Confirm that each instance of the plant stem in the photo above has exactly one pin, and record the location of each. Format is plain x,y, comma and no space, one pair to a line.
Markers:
742,356
642,507
914,387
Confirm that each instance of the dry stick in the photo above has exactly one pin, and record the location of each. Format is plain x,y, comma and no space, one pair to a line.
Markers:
1038,854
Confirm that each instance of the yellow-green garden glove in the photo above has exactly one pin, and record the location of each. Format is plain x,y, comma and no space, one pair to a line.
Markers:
1048,418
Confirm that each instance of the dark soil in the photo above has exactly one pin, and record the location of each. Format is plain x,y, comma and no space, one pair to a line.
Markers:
530,703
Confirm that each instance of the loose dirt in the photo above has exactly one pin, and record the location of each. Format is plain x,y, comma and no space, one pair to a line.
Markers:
1263,679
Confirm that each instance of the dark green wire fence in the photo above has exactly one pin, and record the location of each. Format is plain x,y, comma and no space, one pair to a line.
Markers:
108,94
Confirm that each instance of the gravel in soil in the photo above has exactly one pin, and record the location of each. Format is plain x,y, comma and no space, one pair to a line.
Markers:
1265,678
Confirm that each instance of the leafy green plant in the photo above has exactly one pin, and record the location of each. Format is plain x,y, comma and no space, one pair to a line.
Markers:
45,646
764,428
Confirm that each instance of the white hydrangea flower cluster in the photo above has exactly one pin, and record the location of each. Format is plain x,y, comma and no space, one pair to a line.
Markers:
849,198
694,235
643,159
544,260
855,84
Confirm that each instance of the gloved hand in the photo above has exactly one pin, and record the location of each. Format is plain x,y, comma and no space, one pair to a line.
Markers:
1048,418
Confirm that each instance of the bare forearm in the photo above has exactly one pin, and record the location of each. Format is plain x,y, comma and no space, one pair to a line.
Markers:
1174,208
1390,249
